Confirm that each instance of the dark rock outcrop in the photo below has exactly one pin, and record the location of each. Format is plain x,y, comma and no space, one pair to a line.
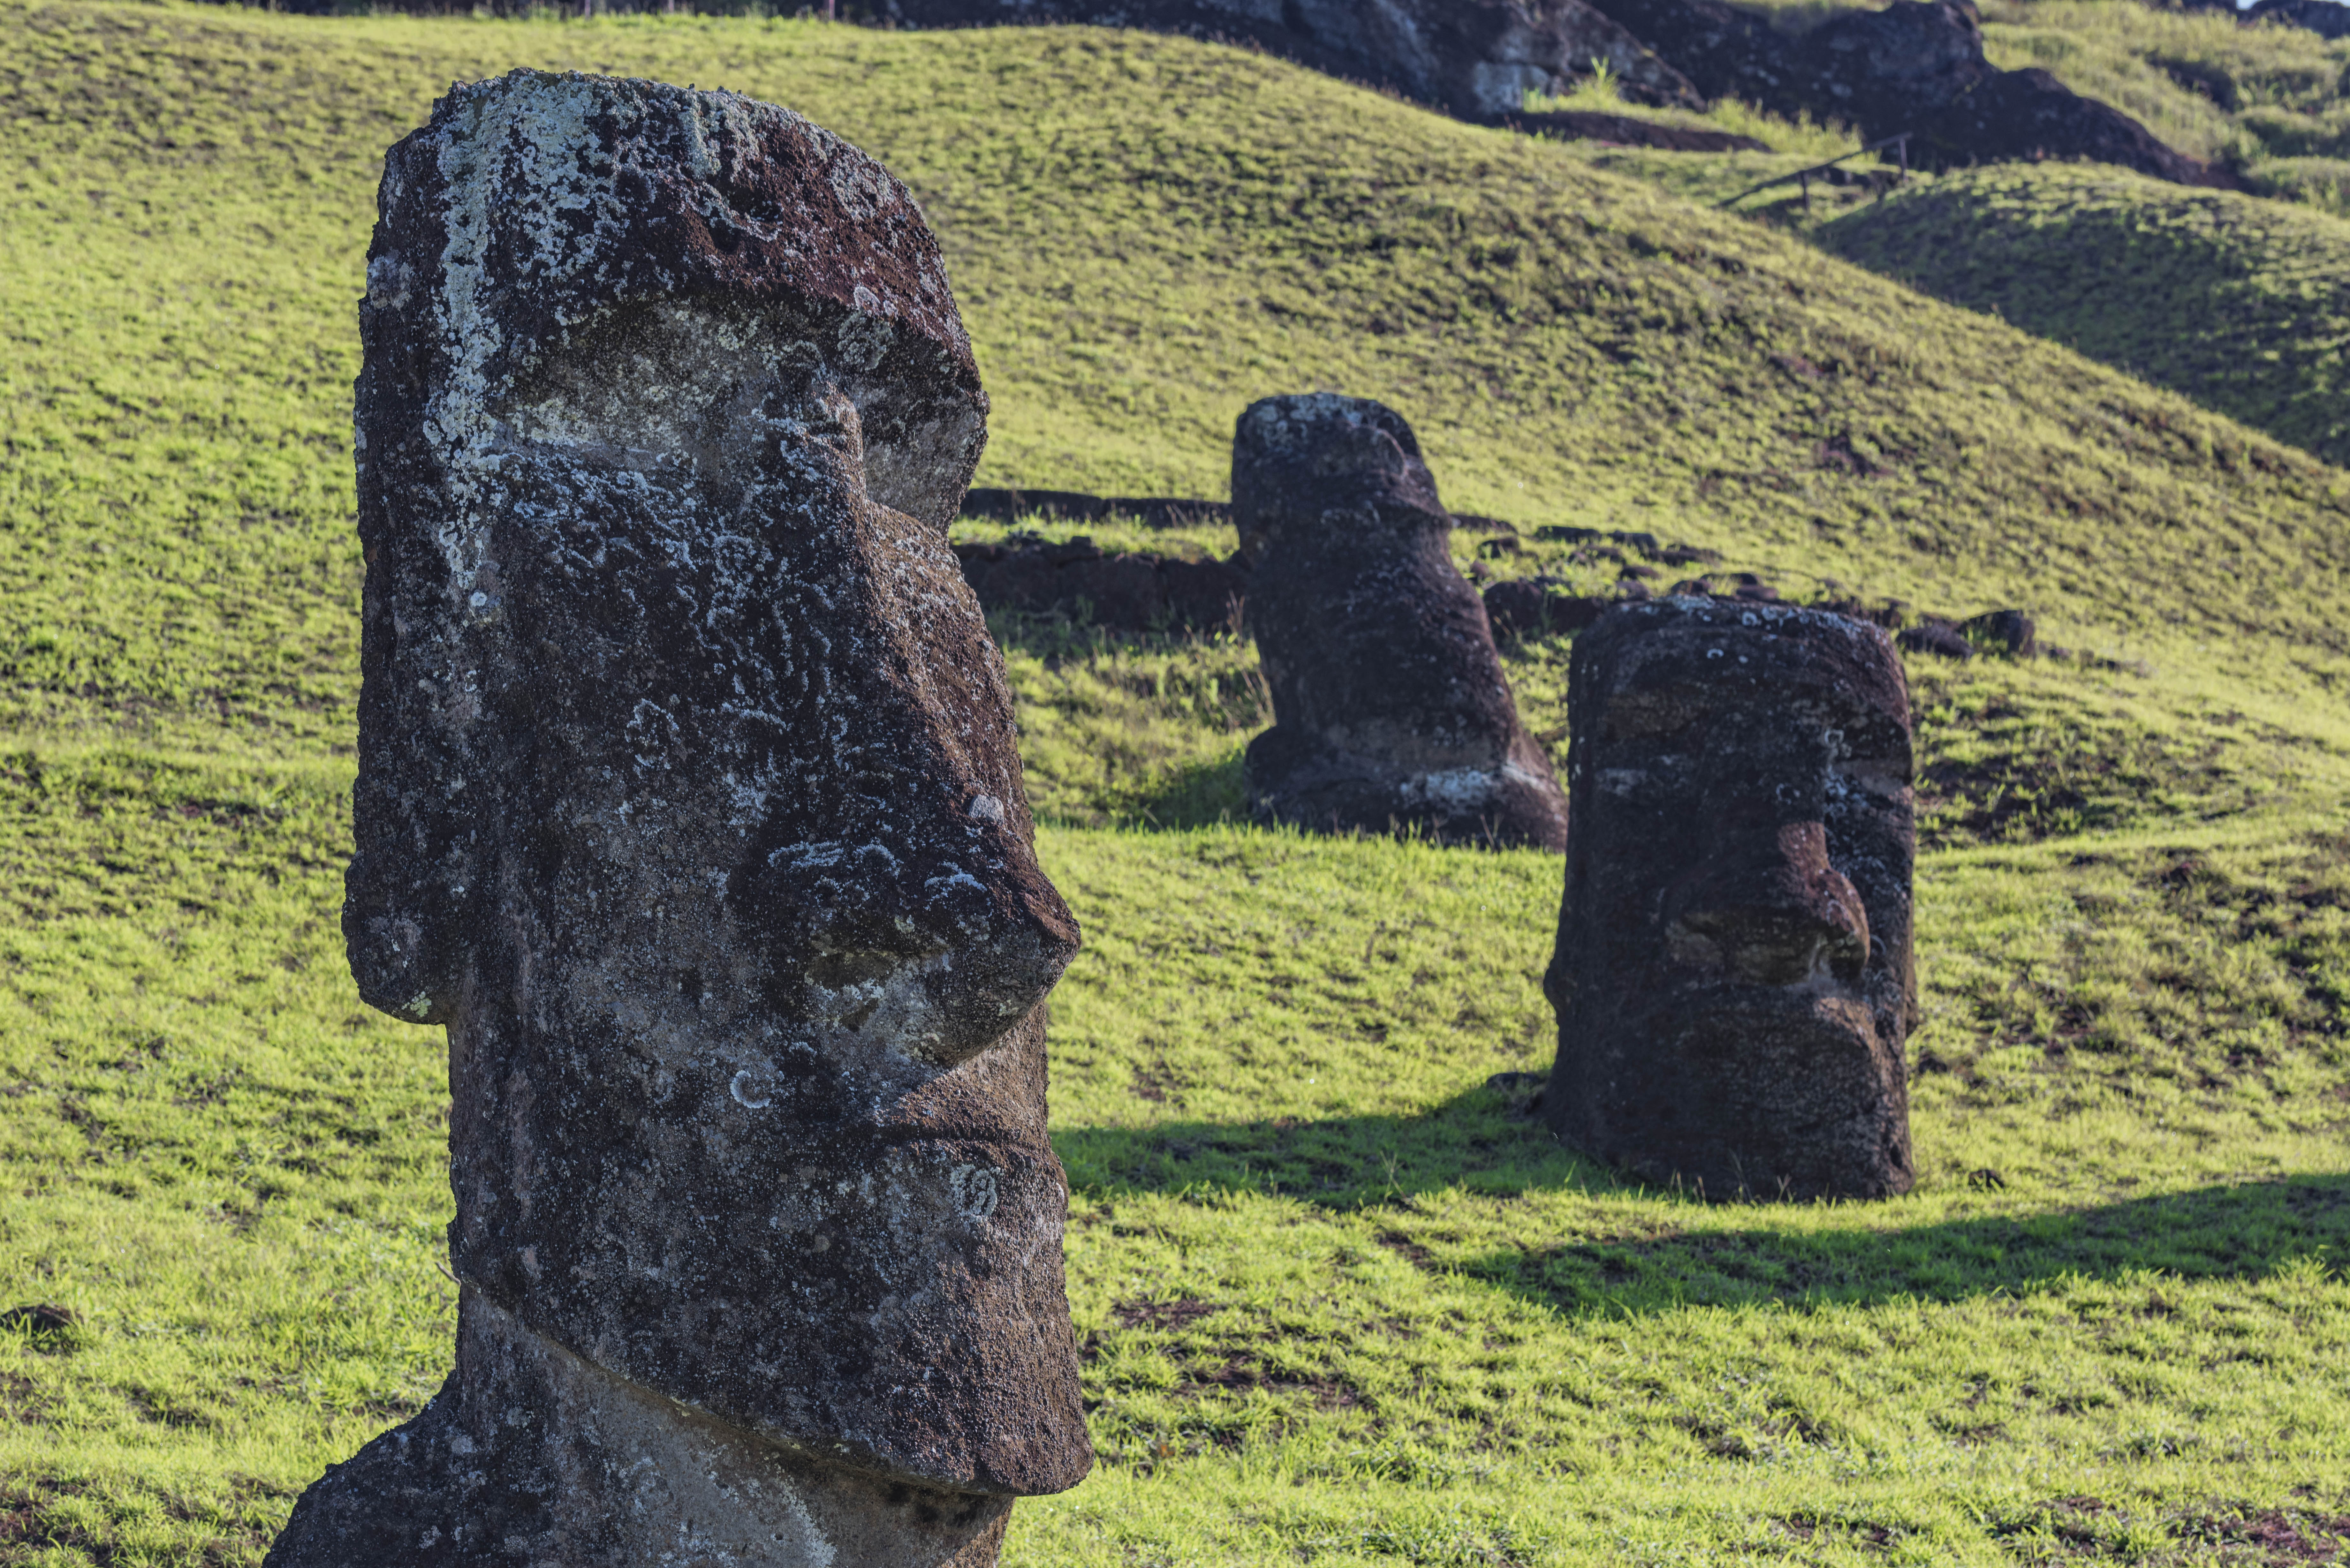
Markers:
1476,58
2008,631
2027,115
1389,705
1936,636
2329,17
1534,607
688,800
1733,975
1622,130
1120,592
1916,66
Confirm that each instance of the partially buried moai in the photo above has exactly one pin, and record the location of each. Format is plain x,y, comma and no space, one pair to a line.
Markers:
687,802
1733,975
1390,709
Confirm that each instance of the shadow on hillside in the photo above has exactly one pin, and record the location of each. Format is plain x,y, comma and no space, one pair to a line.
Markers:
2244,1231
1483,1140
1696,1254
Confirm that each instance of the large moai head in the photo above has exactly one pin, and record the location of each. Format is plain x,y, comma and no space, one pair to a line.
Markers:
688,800
1390,709
1733,975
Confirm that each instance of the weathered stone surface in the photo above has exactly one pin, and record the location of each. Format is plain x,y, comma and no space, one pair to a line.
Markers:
1914,65
1476,58
1121,591
688,800
1389,705
1733,975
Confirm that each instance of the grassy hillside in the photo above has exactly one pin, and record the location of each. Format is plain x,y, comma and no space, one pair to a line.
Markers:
1340,1300
2267,101
2241,303
2270,101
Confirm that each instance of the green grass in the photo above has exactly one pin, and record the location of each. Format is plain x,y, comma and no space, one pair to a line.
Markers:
1803,135
2241,303
2267,101
2215,90
1340,1300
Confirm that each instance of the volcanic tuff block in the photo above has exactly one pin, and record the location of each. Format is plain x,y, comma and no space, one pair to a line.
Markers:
1389,704
688,800
1733,975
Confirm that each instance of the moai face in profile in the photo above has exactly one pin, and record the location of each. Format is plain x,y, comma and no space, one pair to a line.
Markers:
688,801
1390,709
1734,974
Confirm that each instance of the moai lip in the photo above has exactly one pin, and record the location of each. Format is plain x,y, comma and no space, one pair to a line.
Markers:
1390,709
688,801
1734,978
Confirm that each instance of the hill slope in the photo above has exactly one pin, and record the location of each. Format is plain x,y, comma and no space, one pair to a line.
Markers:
1574,346
2241,303
1340,1300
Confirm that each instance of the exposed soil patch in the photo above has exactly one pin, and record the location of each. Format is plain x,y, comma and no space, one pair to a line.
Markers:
1162,1314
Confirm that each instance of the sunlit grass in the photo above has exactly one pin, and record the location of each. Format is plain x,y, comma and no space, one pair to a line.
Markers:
1340,1300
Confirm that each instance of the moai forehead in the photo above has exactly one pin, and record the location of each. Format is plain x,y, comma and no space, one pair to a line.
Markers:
1679,692
535,204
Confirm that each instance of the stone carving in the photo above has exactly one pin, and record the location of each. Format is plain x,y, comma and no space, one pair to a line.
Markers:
1390,706
1734,974
687,802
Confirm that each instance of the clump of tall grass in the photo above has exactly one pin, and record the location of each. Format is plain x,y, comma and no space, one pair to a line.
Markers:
1599,93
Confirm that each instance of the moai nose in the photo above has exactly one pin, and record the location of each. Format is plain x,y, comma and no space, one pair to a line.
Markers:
1768,908
985,984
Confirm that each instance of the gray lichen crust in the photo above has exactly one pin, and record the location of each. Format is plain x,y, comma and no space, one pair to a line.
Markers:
1391,708
688,800
1734,975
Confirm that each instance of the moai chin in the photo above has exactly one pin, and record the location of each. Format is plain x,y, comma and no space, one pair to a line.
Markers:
1733,975
688,801
1390,709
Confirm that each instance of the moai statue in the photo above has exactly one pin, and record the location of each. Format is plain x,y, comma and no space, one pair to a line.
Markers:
1390,710
1733,975
687,802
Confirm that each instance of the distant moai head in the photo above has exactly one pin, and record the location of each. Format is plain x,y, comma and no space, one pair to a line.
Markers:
688,794
1391,708
1734,974
1317,465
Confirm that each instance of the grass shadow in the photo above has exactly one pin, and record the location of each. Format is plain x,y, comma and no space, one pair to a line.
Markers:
1693,1254
2245,1230
1484,1140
